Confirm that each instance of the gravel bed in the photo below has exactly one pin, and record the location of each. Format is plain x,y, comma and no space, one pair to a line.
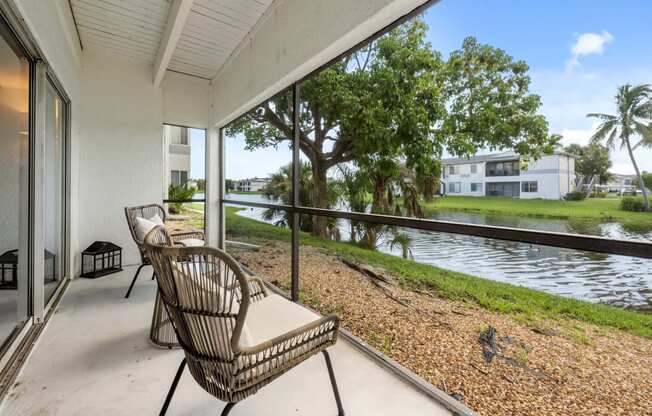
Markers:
552,368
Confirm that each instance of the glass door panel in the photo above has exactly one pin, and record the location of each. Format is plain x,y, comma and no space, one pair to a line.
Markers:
14,186
54,180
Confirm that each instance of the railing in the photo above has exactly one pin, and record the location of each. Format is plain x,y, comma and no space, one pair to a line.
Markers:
631,248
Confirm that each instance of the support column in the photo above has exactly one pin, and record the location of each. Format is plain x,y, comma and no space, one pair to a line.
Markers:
214,188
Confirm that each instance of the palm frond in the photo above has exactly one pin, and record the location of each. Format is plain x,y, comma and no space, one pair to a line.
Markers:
602,116
605,129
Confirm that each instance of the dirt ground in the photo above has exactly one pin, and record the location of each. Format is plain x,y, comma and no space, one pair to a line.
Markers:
551,368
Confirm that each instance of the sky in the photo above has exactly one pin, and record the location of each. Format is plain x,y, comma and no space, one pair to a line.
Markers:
197,153
578,51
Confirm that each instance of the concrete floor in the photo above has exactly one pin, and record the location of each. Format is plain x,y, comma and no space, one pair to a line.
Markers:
94,358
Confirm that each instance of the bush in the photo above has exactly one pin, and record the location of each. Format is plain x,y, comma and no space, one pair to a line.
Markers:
634,204
575,196
598,194
179,193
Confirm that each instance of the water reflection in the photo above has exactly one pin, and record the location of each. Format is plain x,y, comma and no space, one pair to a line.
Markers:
618,280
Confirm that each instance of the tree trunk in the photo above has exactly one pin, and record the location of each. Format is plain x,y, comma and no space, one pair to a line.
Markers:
646,203
428,188
379,203
320,199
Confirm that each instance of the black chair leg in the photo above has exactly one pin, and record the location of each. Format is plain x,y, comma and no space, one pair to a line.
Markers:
227,409
336,392
173,387
154,276
131,286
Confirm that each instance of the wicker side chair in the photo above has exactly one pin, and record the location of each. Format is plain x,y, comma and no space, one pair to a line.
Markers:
149,211
236,336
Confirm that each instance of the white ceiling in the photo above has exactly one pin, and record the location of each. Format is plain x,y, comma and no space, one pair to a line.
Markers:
135,28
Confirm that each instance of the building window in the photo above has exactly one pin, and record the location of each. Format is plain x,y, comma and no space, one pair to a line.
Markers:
476,186
178,135
454,170
474,168
530,187
455,187
179,177
510,168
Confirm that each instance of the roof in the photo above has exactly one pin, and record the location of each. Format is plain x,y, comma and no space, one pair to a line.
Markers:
492,157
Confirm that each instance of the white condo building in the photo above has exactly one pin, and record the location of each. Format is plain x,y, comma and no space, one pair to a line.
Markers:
507,174
177,155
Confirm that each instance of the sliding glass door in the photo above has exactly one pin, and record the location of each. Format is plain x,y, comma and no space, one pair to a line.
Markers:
54,189
14,186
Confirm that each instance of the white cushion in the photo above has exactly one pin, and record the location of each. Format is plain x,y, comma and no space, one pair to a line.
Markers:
191,242
144,226
273,316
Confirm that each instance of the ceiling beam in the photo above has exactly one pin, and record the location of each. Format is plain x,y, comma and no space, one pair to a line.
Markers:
179,11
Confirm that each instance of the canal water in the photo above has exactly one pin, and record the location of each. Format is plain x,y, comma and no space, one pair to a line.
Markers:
616,280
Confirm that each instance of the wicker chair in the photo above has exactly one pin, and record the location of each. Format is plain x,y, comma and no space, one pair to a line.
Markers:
149,211
236,336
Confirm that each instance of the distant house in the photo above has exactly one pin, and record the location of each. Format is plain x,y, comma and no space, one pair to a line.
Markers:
177,157
507,174
618,182
252,184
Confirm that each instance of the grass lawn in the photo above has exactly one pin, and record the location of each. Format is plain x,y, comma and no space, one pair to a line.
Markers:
527,304
599,209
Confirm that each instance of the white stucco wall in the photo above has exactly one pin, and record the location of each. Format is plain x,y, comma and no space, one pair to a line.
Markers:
296,38
122,147
185,100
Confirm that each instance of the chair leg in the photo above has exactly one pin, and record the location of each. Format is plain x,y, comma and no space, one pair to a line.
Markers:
173,387
131,286
227,409
336,392
154,276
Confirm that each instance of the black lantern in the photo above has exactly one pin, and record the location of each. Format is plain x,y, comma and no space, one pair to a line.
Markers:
101,258
9,268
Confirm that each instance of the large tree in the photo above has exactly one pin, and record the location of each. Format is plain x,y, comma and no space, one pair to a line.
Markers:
591,160
629,127
397,99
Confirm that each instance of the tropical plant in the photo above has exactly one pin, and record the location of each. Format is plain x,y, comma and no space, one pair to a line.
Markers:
632,118
404,242
279,190
354,188
178,193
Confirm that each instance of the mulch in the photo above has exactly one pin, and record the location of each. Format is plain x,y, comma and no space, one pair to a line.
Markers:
494,363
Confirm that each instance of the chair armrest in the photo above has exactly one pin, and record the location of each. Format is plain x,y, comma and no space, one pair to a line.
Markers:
257,289
176,237
297,337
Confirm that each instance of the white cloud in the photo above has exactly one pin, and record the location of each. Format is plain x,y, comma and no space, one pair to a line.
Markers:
587,44
577,136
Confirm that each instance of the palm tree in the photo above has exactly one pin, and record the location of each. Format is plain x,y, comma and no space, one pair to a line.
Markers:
634,111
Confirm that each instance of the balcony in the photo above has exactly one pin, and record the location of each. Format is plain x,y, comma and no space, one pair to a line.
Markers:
94,358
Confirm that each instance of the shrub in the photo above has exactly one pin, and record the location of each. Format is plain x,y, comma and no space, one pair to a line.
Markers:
634,204
179,193
598,194
575,196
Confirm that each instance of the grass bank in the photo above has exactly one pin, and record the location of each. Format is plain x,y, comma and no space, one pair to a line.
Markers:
598,209
527,304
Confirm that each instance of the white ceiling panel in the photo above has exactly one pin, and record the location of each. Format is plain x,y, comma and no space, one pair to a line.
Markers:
134,28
